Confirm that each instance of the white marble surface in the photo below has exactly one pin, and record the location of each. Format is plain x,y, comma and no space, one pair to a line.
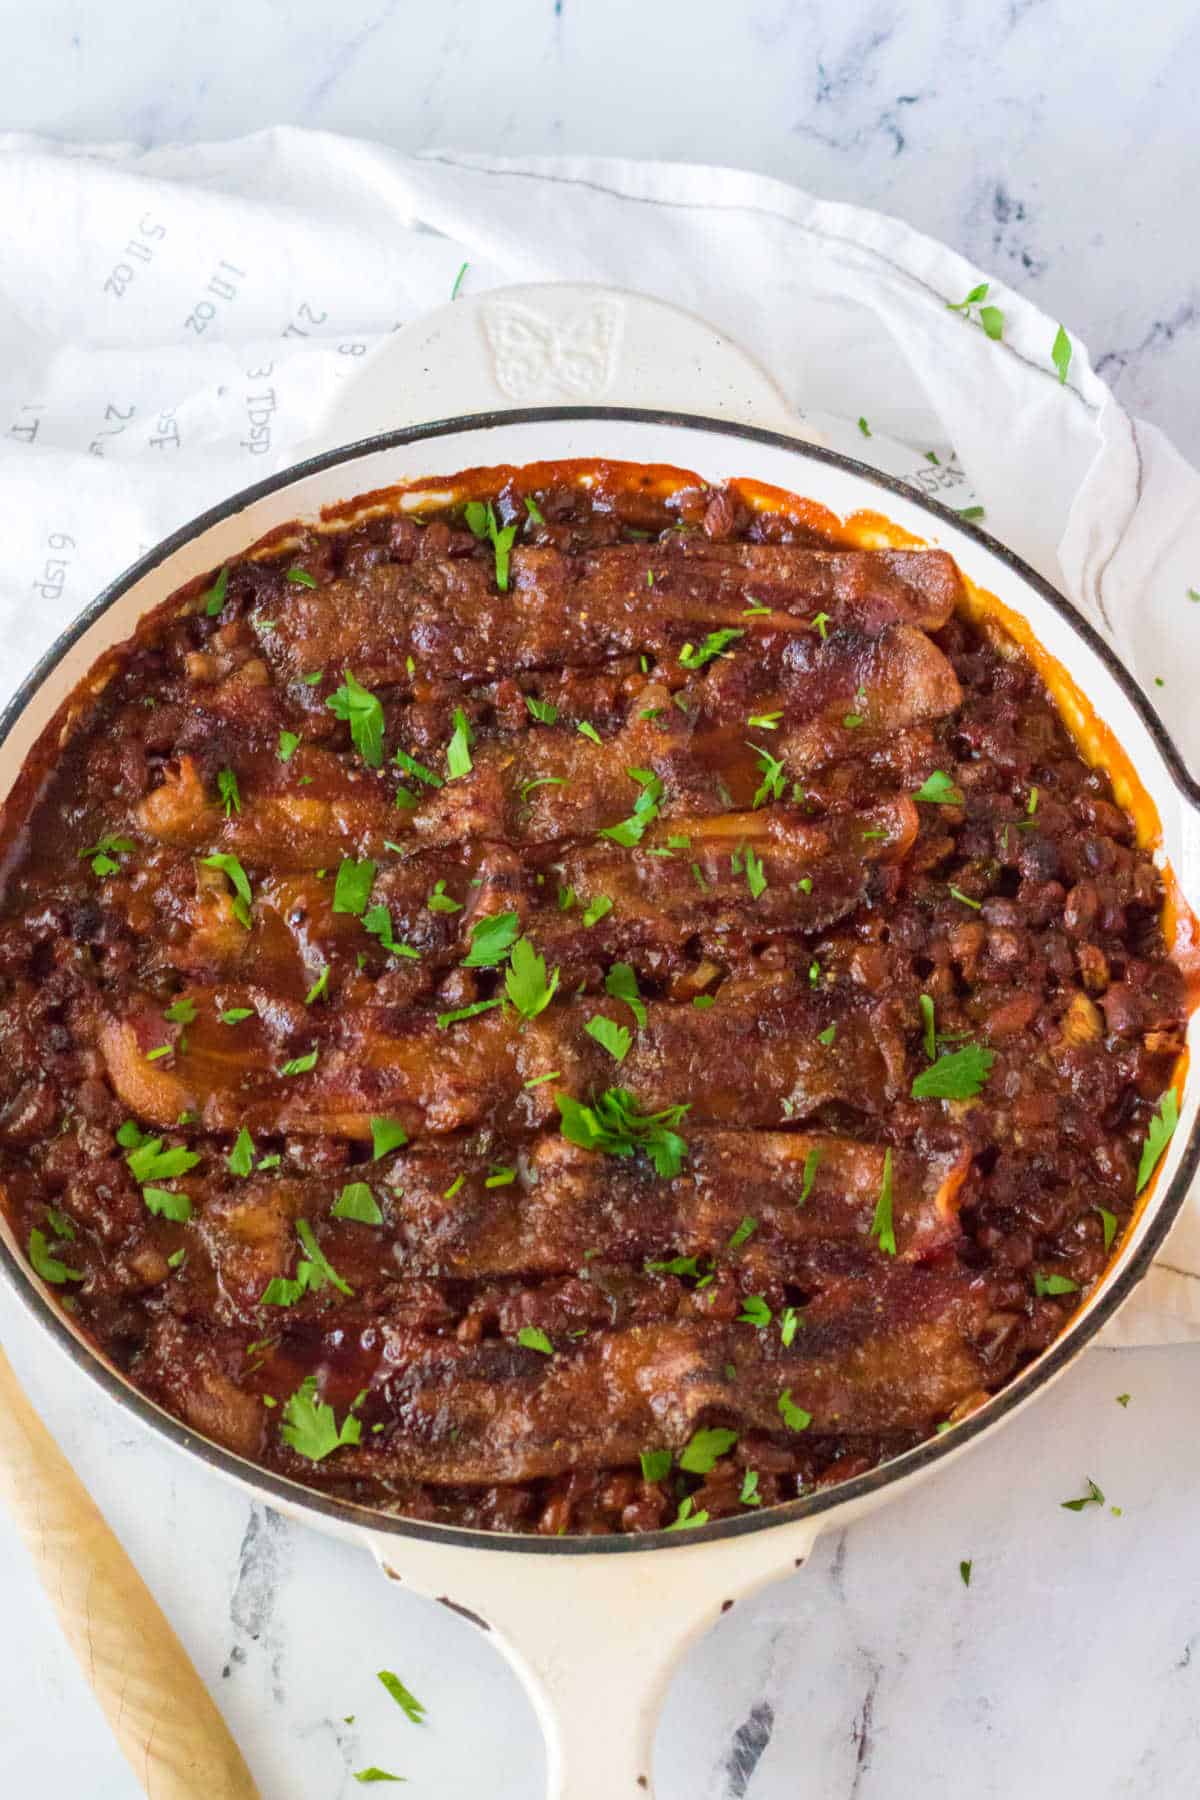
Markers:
1047,139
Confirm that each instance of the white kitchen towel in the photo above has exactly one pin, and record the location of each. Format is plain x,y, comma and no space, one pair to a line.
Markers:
175,323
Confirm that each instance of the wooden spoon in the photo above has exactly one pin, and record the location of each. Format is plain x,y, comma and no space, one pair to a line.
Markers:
160,1711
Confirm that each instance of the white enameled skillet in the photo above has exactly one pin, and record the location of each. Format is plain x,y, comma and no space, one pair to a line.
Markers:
594,1625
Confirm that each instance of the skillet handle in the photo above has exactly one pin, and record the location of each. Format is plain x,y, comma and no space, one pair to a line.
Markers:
596,1635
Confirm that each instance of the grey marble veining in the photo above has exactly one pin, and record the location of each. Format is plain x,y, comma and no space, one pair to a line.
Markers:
1054,143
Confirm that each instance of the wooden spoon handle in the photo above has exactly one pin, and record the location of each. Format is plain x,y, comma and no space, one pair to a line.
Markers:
160,1711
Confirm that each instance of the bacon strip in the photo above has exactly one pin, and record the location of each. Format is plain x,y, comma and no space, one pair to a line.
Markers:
575,610
752,1059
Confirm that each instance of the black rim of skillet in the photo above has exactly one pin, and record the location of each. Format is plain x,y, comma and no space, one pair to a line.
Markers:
295,1495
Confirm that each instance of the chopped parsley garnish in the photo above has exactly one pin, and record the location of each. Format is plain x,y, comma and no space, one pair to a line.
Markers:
616,1039
166,1204
1050,1286
373,1773
482,521
597,909
702,1002
990,318
386,1135
586,729
499,1175
788,1324
491,940
820,623
864,427
614,1125
458,750
310,1426
656,1465
676,1265
105,851
827,1036
525,980
882,1226
231,867
964,1569
745,1231
540,1080
442,902
852,721
411,766
233,1015
177,1259
929,1018
755,1311
687,1516
939,790
793,1416
240,1160
705,1449
1124,1399
467,1012
352,888
227,788
764,721
1093,1497
531,1338
533,509
756,881
300,578
300,1065
773,779
622,984
214,597
50,1268
541,710
357,1202
319,988
693,657
62,1226
750,1495
1162,1128
159,1050
313,678
1060,353
812,1163
540,781
358,706
378,921
1108,1222
970,512
183,1012
289,743
959,1076
630,831
148,1161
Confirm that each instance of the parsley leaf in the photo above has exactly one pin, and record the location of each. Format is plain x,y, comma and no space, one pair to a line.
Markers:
1093,1497
959,1076
148,1161
227,788
324,1269
622,984
373,1773
231,867
541,710
491,939
773,779
352,889
939,790
616,1039
104,852
310,1426
166,1204
47,1266
614,1125
656,1465
300,578
596,909
687,1516
1162,1129
357,1202
756,881
788,1324
525,980
458,750
925,1002
811,1164
300,1065
1108,1223
362,711
750,1495
214,597
1060,353
964,1569
289,743
794,1417
882,1226
864,427
386,1134
378,921
467,1012
755,1311
240,1160
183,1012
412,767
1050,1286
483,522
530,1338
630,831
706,1447
691,657
442,902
